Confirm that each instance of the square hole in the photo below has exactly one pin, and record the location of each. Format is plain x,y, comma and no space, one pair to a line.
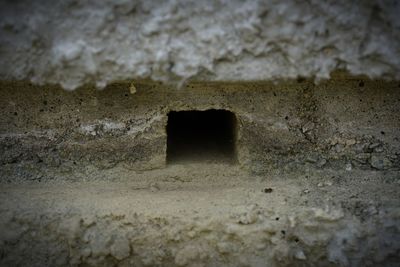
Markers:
206,136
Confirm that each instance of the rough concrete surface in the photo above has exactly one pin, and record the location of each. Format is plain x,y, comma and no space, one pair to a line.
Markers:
204,215
347,122
79,42
295,156
85,181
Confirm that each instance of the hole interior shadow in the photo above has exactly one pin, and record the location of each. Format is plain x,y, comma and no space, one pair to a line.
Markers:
201,136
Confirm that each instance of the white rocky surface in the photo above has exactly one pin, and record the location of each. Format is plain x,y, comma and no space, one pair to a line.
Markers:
74,42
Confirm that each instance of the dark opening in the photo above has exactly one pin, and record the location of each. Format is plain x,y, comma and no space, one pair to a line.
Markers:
207,136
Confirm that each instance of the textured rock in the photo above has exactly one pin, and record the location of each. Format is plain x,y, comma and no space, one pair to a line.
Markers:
120,249
380,163
73,42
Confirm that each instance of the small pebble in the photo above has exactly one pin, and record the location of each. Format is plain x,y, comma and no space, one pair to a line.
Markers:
350,142
154,187
349,167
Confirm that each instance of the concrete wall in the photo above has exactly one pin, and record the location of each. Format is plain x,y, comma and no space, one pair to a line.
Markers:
79,42
348,122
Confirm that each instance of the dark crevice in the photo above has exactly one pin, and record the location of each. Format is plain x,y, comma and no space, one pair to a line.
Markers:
201,136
